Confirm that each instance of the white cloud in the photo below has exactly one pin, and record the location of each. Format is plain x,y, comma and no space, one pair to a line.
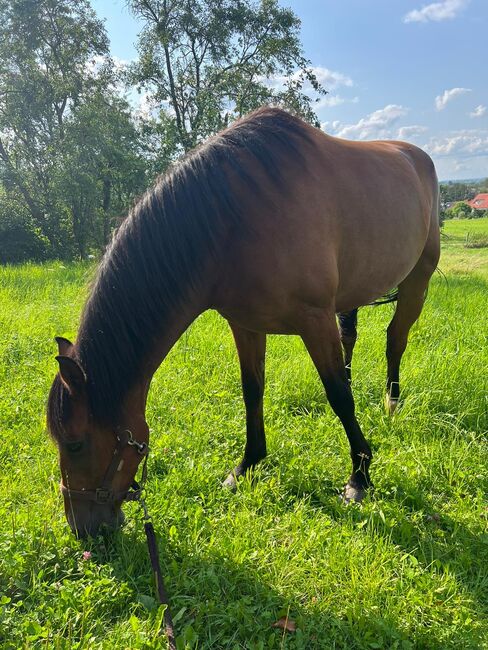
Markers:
333,100
465,143
377,125
328,101
329,79
441,101
145,106
479,111
436,11
411,133
450,168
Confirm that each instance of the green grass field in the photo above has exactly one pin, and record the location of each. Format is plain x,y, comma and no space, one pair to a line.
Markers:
406,569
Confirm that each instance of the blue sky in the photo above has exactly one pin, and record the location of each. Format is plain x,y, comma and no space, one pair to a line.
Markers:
403,69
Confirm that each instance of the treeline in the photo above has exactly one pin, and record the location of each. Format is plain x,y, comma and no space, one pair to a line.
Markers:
74,148
454,196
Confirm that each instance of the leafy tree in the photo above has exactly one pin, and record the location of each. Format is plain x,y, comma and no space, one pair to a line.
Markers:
45,50
459,210
69,148
102,167
19,237
206,62
455,191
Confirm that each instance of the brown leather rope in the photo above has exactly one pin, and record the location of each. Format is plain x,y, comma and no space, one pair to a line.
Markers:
161,591
152,548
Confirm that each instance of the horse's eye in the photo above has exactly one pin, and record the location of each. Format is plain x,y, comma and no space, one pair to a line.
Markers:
74,447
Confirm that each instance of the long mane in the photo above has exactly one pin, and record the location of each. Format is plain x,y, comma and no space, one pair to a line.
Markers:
160,251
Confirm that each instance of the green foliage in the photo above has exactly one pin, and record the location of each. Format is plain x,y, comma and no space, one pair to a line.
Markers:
19,238
462,210
44,51
476,240
405,570
69,150
102,168
73,155
455,191
205,63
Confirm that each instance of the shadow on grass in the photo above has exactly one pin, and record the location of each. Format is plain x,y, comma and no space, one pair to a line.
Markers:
219,605
434,544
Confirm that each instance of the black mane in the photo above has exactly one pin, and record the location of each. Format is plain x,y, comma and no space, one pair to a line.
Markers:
160,250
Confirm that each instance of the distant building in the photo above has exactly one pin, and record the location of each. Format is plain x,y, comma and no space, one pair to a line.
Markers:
480,202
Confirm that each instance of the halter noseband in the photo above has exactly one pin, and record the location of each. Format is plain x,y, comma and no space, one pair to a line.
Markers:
105,494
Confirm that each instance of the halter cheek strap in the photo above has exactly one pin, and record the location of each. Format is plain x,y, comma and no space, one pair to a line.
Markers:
105,494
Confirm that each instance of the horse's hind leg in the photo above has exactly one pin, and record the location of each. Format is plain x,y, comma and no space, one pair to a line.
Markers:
411,295
321,337
347,326
251,348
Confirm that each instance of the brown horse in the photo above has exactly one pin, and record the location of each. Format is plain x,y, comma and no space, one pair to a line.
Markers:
278,227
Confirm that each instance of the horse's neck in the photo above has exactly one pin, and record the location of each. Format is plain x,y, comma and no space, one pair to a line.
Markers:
175,326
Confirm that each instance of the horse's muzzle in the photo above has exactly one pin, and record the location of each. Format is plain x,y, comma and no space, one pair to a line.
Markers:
91,519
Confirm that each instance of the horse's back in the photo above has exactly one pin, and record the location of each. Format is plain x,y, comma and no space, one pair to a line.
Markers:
350,224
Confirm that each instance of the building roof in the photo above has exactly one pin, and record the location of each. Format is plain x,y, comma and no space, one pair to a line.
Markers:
480,202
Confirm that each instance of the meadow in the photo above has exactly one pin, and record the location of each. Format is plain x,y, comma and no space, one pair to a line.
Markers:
406,569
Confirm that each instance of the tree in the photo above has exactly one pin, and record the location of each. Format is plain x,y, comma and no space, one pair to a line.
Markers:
459,210
207,62
455,191
102,167
19,237
70,151
45,50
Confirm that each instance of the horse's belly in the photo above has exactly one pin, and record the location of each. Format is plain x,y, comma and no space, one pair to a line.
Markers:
363,293
385,257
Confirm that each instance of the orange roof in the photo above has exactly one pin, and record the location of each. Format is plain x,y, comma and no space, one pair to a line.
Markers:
480,202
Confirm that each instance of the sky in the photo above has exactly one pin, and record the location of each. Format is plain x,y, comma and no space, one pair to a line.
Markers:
395,69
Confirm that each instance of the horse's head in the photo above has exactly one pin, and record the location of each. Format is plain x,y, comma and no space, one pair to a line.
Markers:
98,460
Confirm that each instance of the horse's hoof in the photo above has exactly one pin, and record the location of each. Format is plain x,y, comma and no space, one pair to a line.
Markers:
390,405
230,482
352,494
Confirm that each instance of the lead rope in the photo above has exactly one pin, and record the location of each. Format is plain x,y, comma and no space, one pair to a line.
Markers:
152,548
156,567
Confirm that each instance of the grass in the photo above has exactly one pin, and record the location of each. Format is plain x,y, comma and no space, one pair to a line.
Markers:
476,240
407,569
458,258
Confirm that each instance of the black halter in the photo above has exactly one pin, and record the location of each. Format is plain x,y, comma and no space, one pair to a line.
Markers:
105,494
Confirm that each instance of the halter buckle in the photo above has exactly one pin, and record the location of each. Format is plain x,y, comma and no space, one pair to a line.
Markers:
103,495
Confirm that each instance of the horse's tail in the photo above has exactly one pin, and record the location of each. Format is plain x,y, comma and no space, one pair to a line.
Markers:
391,296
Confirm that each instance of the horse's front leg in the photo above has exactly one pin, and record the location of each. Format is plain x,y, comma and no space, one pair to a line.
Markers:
251,348
321,337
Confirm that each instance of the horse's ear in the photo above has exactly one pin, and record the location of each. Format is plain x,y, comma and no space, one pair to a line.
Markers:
64,346
72,375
